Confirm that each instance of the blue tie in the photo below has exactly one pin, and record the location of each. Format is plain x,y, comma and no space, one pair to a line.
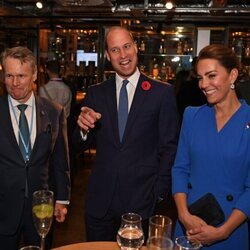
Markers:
123,108
24,135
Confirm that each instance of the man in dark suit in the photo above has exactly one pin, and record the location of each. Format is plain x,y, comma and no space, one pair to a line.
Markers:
29,164
131,171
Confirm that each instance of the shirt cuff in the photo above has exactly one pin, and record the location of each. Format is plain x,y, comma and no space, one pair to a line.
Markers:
83,136
63,202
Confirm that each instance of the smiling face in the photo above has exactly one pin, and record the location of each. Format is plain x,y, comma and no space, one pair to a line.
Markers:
215,80
121,51
19,79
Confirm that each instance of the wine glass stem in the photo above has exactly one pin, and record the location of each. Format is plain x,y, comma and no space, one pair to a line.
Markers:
42,243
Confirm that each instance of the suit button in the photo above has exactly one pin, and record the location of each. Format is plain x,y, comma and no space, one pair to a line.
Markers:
230,197
189,185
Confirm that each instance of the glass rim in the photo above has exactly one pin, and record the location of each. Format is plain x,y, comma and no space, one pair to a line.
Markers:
42,192
30,246
186,238
138,219
168,219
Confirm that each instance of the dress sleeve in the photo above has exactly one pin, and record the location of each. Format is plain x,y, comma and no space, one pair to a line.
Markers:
181,168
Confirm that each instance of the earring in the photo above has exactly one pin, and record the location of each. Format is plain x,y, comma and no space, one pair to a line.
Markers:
232,86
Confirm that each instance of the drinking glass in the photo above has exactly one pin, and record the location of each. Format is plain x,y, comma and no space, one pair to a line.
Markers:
183,243
160,225
160,243
130,235
30,248
42,210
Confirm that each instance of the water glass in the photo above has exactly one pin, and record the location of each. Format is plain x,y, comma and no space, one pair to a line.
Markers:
30,248
183,243
160,225
130,235
160,243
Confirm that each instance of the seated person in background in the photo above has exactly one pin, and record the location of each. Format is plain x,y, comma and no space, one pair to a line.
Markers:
55,89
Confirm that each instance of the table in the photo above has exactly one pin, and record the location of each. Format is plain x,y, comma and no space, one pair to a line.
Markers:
95,245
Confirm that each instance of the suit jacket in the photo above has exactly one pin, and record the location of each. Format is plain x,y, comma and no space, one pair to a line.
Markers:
138,167
48,166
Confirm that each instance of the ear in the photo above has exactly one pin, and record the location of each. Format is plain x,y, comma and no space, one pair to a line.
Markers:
136,48
107,55
233,75
34,76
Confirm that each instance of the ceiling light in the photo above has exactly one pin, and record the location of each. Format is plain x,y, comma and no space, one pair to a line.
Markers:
39,4
169,5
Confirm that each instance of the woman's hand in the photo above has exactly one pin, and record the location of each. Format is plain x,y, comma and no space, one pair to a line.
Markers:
206,234
191,221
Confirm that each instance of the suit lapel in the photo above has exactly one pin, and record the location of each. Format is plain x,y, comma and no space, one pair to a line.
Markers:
41,122
112,106
8,128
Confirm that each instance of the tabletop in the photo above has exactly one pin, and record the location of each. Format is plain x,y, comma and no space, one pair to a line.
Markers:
96,245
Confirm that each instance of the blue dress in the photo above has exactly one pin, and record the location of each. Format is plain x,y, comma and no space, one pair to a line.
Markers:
215,162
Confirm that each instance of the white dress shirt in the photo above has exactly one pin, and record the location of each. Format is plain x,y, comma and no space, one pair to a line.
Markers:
30,113
131,87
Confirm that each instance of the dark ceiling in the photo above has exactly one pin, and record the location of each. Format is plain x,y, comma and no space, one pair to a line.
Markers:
20,12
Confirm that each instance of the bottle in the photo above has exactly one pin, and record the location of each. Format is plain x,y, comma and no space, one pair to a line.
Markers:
179,48
233,44
163,70
155,71
93,47
142,47
239,48
185,48
247,49
161,49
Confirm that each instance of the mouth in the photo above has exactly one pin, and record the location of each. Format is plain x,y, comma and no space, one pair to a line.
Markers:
209,92
125,62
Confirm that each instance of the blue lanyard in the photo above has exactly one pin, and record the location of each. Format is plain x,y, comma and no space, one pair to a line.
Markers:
26,146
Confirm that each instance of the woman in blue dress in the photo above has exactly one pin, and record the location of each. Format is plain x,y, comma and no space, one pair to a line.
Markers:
213,155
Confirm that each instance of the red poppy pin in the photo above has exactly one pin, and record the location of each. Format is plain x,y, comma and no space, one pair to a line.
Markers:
146,85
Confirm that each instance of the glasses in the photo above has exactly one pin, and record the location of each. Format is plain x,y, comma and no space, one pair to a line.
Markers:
183,243
160,225
130,234
30,248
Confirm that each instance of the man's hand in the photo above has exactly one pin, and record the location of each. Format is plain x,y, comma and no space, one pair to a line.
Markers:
60,212
87,118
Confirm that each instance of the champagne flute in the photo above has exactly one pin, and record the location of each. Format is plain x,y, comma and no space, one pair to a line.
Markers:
42,210
130,235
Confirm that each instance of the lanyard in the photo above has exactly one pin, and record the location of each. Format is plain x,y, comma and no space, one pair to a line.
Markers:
26,146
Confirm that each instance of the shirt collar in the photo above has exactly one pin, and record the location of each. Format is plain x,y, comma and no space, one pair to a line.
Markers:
133,79
28,102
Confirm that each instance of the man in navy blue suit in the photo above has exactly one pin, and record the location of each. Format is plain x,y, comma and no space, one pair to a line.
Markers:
40,162
132,172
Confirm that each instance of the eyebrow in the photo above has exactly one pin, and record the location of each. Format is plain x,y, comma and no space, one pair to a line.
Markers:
209,72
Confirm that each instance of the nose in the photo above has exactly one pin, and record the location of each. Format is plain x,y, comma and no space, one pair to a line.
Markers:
202,83
122,53
15,80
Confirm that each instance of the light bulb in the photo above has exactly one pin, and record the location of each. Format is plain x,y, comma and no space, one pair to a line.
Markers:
169,5
39,5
